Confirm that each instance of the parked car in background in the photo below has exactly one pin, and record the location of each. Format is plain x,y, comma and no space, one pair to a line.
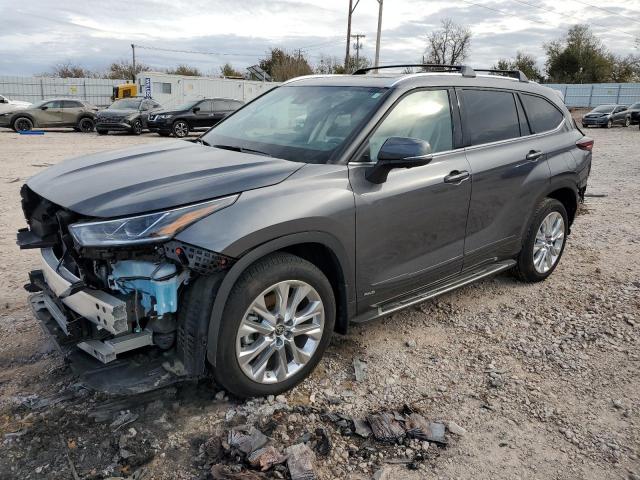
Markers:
328,200
63,112
607,116
634,112
127,114
193,115
8,105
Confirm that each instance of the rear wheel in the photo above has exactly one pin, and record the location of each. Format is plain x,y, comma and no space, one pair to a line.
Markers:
86,125
278,322
544,242
180,129
22,124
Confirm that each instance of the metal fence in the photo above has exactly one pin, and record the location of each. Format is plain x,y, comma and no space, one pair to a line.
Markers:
97,91
594,94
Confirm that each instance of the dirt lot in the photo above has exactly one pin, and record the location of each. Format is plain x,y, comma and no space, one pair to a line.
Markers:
543,379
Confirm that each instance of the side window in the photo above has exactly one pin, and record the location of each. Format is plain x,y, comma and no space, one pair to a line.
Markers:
205,106
425,115
161,87
542,115
70,104
490,116
53,104
219,105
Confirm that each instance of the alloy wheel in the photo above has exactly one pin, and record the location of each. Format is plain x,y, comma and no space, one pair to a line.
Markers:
137,127
548,243
86,125
181,129
280,332
23,125
627,122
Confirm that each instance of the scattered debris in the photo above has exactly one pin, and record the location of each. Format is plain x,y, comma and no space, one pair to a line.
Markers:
323,445
360,369
227,472
124,418
265,458
301,462
362,428
456,429
247,441
420,428
385,427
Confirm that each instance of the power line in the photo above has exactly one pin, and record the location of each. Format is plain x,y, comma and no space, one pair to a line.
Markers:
201,53
608,11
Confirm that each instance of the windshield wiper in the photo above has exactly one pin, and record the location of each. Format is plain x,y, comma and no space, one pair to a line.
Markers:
203,142
236,148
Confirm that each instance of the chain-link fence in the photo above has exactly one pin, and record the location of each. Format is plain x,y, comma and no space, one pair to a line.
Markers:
594,94
97,91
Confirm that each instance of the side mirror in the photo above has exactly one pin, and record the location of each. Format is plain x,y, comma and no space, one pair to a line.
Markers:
399,152
196,109
44,107
4,100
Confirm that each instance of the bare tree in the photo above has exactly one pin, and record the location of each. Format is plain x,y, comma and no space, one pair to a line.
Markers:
70,70
124,69
185,70
449,45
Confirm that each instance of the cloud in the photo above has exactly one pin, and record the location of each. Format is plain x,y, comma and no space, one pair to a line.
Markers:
35,36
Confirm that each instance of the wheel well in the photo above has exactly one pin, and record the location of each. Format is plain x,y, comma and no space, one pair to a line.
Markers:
323,258
568,198
13,121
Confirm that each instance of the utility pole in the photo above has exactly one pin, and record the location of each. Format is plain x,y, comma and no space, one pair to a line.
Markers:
133,52
357,47
352,8
377,60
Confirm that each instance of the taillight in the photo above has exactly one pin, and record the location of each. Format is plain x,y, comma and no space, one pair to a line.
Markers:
585,143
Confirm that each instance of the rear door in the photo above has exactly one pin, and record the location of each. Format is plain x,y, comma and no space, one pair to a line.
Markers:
50,114
71,110
410,229
221,108
509,171
204,117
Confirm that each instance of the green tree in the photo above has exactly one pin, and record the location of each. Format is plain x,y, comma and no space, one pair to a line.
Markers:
227,70
626,69
524,62
578,57
282,65
185,70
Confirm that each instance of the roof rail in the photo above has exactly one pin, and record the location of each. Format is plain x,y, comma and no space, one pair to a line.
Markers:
517,74
465,70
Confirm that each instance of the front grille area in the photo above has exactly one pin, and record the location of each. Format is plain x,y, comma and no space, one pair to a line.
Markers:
110,120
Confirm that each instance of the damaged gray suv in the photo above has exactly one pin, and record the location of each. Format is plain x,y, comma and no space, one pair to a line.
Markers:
327,200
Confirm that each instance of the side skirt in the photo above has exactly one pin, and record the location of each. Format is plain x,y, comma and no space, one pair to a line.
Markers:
419,296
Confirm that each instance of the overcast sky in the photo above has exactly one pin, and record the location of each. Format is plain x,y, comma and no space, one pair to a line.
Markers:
37,34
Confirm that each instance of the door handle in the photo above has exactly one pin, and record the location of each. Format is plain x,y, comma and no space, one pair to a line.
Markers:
534,155
456,176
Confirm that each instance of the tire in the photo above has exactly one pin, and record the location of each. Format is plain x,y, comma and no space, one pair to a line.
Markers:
264,276
610,124
180,128
86,125
22,124
136,127
627,122
101,131
526,270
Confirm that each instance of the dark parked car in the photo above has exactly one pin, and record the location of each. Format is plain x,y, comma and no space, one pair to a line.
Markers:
607,116
328,200
127,114
193,115
634,112
63,112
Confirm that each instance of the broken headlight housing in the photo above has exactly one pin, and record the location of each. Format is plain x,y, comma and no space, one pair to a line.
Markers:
149,228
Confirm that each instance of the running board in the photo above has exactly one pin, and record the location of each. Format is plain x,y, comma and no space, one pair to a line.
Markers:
462,280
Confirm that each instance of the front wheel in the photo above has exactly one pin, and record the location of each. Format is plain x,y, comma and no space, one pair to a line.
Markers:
180,129
544,242
278,322
610,124
627,122
22,124
86,125
136,127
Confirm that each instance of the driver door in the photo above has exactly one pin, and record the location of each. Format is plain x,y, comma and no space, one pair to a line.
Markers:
410,229
51,116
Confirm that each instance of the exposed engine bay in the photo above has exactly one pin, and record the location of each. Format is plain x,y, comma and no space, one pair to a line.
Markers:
108,301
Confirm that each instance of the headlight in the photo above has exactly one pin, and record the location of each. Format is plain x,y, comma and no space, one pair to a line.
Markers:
153,227
165,115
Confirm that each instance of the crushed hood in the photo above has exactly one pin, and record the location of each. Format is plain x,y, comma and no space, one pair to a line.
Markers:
155,177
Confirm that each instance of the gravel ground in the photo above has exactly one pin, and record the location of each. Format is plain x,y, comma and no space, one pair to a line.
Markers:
543,379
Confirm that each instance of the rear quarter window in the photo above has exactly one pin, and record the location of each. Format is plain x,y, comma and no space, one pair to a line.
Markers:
542,114
490,116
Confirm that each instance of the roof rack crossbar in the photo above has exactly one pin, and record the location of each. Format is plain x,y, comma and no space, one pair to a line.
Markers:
465,70
517,74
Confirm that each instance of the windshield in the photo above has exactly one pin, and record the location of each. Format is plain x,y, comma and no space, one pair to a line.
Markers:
126,104
39,104
299,123
604,108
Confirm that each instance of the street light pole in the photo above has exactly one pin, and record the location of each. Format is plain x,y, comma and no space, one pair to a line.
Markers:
133,53
346,57
377,60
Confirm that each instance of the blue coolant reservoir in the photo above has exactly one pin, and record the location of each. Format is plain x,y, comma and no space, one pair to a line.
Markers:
156,283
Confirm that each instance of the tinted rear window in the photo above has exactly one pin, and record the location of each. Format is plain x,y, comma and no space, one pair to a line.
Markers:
542,115
490,116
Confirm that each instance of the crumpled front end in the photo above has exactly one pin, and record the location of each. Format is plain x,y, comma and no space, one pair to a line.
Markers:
112,306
